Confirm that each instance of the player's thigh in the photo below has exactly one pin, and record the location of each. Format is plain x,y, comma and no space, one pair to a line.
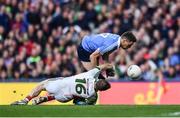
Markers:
61,98
52,87
43,82
41,86
83,55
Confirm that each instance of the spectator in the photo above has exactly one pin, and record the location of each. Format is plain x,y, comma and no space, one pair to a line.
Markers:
38,39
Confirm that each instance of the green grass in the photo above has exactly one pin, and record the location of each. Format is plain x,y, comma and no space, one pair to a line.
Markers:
90,111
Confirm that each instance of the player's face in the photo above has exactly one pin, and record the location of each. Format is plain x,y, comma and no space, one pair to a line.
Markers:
125,44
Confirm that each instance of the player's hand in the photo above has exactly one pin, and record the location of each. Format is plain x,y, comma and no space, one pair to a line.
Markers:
105,66
108,66
110,72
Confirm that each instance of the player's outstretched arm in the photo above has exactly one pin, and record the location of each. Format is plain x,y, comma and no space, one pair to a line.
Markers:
94,58
109,72
97,70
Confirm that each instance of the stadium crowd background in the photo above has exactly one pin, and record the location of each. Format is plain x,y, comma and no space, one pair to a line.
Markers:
39,38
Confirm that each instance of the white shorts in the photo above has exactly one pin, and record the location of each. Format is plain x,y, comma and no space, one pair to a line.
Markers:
57,89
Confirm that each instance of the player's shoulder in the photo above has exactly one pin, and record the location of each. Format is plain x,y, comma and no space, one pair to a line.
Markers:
108,35
80,75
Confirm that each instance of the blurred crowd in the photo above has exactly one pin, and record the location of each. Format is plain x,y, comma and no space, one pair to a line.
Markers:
39,38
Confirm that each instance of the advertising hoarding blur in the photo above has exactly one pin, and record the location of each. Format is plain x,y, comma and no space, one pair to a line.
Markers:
141,93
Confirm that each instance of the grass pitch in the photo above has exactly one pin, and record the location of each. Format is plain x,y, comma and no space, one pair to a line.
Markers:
90,111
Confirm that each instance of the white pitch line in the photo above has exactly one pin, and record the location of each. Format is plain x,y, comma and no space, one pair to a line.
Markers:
172,114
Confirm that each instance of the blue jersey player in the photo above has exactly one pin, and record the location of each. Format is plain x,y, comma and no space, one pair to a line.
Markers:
94,46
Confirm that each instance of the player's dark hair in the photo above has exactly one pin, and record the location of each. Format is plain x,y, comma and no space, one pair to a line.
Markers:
102,85
129,36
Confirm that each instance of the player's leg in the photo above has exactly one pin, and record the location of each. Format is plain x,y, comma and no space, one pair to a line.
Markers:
34,93
43,99
53,87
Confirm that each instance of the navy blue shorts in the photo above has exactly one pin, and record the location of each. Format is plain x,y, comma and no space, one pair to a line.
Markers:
83,54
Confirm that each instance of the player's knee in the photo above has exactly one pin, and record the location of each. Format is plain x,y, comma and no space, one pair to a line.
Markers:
39,88
43,83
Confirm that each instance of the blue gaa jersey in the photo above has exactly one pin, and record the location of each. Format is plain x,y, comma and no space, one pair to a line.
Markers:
104,42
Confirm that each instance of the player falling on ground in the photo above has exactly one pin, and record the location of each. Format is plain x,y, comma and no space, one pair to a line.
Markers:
94,46
84,85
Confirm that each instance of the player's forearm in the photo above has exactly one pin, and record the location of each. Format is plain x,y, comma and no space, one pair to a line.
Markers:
94,58
94,61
